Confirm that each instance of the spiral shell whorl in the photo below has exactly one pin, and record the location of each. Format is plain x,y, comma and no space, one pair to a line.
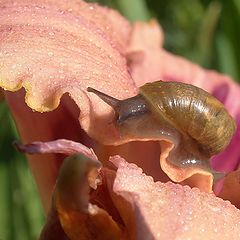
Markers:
193,112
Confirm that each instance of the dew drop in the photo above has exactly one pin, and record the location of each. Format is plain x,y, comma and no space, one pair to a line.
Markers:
13,66
50,54
185,228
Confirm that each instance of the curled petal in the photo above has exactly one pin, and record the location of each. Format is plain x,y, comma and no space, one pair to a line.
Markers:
63,146
51,48
193,176
79,218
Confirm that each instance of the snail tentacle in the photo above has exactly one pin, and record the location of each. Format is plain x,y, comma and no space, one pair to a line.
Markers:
124,109
111,101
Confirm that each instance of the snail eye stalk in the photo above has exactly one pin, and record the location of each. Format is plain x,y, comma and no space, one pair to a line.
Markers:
124,109
111,101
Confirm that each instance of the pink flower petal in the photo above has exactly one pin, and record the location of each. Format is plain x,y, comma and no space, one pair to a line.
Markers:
171,211
51,48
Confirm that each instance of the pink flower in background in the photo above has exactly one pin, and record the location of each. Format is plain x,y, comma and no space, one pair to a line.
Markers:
54,50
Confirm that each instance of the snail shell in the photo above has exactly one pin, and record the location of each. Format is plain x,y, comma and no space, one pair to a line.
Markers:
193,112
196,122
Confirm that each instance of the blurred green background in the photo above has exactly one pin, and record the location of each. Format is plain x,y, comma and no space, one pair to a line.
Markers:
206,32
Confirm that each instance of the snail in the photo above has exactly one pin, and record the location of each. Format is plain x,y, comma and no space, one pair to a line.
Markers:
196,122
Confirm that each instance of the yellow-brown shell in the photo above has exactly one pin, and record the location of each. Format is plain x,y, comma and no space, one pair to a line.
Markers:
193,112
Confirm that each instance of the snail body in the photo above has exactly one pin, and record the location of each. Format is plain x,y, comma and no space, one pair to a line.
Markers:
195,121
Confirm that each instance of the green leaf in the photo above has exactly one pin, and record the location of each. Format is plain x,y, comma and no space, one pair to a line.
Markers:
206,32
226,56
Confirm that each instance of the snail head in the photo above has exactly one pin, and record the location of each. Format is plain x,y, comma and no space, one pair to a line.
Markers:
124,109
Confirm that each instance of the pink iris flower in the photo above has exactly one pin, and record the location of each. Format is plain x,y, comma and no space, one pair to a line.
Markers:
50,52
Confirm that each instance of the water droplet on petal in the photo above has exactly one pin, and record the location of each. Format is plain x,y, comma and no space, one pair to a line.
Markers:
50,54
